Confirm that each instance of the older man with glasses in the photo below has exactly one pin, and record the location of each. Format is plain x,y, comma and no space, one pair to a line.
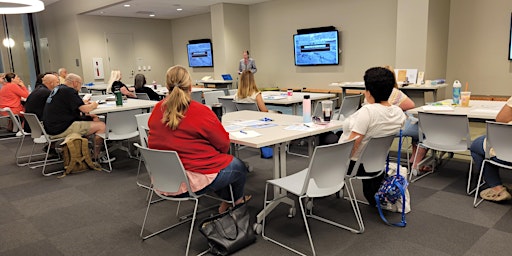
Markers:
65,113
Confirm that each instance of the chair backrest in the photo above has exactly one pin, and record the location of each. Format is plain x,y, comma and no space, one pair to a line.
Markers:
247,106
228,105
327,169
36,127
84,89
232,91
165,169
142,125
14,118
121,123
499,137
197,96
444,130
142,96
212,97
349,106
373,156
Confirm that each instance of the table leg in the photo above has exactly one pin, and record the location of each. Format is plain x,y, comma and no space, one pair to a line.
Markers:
279,171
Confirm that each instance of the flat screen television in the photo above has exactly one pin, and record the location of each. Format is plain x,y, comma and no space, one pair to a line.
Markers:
510,40
200,53
316,48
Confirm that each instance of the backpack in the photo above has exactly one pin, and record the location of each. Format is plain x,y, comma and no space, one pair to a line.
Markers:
77,157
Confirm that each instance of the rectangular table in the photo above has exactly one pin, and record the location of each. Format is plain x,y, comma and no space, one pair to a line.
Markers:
217,83
277,137
415,91
129,104
478,110
280,99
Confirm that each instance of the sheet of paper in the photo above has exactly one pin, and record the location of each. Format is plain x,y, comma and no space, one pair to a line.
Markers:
250,123
232,127
264,125
274,97
300,127
245,134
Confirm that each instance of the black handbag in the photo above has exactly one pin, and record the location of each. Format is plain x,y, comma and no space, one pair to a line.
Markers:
228,232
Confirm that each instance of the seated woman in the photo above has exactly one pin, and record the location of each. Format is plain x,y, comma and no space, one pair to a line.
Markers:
376,119
139,84
496,191
248,91
115,84
177,121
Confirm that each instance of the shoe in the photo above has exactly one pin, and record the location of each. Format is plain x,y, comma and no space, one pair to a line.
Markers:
40,140
19,133
105,160
492,195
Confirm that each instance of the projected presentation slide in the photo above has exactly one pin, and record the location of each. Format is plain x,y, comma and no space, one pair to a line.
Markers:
316,48
200,55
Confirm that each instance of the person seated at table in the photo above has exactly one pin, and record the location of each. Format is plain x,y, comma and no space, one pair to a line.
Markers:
248,92
139,84
65,113
378,118
2,80
177,121
62,73
115,84
36,100
496,191
400,99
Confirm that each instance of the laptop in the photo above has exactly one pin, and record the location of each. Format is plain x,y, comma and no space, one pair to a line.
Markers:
227,77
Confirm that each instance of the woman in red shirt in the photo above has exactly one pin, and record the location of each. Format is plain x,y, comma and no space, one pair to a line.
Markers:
12,93
192,130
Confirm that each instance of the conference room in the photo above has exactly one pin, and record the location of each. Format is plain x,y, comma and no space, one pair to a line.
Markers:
102,213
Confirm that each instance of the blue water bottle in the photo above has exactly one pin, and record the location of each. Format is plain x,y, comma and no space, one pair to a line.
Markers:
456,92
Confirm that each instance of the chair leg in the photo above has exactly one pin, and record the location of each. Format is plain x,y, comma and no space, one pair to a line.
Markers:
108,156
477,202
45,163
303,210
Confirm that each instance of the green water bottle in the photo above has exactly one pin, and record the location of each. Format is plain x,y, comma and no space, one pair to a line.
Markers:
119,98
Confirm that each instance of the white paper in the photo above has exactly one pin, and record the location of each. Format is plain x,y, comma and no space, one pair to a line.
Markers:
232,127
249,123
244,134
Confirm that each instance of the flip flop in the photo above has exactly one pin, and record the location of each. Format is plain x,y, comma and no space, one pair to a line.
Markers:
425,168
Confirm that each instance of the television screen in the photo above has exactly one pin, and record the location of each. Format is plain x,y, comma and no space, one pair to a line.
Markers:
200,54
510,40
318,48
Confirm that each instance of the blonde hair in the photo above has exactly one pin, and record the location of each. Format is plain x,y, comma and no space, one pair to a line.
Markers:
115,75
178,82
247,85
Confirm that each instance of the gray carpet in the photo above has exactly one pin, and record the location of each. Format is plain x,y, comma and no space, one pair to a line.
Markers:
97,213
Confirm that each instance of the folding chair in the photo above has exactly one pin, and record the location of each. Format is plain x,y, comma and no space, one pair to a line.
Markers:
16,123
324,176
212,97
197,96
349,106
142,126
37,132
168,174
228,105
499,138
247,106
142,96
443,133
373,158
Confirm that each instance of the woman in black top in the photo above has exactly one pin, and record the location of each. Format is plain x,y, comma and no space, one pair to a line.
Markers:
140,81
115,85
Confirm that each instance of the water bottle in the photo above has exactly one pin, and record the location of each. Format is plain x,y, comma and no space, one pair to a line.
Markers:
306,109
456,92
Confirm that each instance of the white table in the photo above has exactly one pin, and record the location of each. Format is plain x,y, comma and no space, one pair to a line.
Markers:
277,137
97,87
217,83
415,91
478,110
129,104
281,99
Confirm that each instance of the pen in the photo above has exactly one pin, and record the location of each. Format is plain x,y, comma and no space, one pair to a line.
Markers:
243,132
307,125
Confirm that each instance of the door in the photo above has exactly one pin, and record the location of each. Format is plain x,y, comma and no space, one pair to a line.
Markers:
121,56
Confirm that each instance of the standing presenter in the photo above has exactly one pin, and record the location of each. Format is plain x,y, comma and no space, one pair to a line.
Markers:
247,63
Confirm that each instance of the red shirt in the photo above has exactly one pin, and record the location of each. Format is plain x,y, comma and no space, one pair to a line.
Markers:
10,96
200,139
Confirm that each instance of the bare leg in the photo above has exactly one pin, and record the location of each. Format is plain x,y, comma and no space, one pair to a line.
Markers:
421,152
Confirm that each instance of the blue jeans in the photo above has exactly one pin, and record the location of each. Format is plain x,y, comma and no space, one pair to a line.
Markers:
234,174
411,129
491,172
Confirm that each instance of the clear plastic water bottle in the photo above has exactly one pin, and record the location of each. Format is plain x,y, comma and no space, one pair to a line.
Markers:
456,92
306,109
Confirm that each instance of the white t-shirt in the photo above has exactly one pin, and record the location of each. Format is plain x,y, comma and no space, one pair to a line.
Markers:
373,120
250,99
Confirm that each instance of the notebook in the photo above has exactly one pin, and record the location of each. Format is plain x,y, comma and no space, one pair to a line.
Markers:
227,77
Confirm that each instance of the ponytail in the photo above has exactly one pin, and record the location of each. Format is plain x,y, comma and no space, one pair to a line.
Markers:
178,83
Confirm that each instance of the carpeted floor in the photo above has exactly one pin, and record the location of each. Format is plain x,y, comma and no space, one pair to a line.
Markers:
97,213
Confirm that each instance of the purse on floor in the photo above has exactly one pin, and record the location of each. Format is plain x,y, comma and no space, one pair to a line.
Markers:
228,232
393,189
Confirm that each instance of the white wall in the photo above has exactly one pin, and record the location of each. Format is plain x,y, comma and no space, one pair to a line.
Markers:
478,46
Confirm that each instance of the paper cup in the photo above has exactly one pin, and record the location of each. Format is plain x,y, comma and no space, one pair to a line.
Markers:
464,99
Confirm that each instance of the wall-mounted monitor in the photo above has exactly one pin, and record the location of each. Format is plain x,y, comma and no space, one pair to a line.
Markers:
200,53
510,40
316,46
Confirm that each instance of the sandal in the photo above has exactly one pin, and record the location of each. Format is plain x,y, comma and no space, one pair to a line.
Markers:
425,168
492,195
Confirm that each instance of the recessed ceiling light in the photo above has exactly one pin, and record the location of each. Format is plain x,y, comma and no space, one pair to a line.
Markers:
102,12
179,9
126,5
152,15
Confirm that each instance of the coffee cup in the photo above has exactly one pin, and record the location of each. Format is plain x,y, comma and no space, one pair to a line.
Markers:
464,99
327,110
